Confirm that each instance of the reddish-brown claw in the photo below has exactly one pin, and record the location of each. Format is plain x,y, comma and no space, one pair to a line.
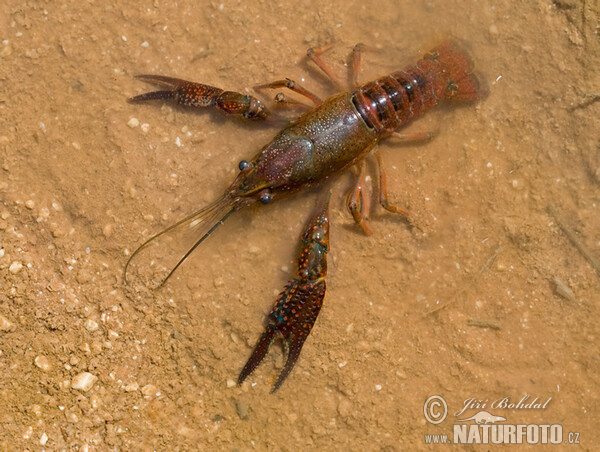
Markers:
191,94
298,306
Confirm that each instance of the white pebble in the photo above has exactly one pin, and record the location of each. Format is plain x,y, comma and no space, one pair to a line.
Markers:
5,324
27,432
145,127
230,383
91,325
150,391
132,387
15,267
43,363
84,381
43,439
1,252
377,387
30,204
107,230
133,122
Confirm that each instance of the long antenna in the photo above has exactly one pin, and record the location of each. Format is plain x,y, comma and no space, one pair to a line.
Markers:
191,250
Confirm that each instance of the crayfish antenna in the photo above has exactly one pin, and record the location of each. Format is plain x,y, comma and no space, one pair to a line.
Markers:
193,230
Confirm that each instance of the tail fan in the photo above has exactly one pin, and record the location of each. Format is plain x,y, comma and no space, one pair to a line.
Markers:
461,83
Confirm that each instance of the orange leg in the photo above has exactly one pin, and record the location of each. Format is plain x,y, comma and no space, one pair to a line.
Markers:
383,200
357,204
282,99
293,86
356,51
314,54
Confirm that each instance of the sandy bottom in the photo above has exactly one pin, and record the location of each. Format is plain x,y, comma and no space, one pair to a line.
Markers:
497,296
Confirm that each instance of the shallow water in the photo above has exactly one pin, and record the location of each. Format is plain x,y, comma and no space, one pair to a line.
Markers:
494,193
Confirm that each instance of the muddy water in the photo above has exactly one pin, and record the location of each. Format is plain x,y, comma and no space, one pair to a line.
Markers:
492,298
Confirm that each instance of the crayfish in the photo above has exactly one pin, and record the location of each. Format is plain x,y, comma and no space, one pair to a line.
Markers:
333,135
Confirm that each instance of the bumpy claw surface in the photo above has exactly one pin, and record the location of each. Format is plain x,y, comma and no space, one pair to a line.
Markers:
198,95
298,306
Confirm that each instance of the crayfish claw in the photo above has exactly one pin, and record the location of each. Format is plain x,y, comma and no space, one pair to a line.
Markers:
199,95
299,304
292,318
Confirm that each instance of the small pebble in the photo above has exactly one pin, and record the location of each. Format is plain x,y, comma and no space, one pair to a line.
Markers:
133,122
150,391
43,439
84,381
29,204
563,290
242,409
91,325
15,267
377,387
5,324
43,363
145,127
71,417
107,230
132,387
344,408
230,383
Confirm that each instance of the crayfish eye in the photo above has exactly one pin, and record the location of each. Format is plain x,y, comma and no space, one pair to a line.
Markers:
243,165
266,198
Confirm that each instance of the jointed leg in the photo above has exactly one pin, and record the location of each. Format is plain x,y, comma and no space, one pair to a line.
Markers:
356,51
314,54
383,200
281,98
357,204
293,86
